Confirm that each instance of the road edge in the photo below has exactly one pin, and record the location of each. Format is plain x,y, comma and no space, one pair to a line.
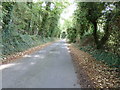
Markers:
14,57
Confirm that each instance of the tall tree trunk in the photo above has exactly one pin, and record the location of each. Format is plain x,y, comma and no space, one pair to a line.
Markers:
95,33
105,37
29,28
42,30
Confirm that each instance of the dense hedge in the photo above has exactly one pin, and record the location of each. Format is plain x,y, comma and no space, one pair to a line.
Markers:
22,42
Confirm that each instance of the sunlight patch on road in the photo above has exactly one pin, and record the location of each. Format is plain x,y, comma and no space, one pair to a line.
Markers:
27,56
66,44
6,66
32,63
69,51
39,56
67,48
35,56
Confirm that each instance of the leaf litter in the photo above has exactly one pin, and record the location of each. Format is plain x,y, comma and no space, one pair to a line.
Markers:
97,74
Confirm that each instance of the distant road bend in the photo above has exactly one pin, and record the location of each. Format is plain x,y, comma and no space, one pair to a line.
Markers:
50,67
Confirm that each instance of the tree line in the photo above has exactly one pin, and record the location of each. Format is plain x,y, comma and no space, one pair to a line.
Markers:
100,20
39,19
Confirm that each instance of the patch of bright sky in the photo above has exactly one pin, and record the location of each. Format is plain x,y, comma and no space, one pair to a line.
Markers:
43,5
51,7
68,12
35,1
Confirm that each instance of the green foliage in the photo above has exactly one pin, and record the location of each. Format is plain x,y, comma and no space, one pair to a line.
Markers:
107,57
100,20
72,34
21,42
97,25
27,24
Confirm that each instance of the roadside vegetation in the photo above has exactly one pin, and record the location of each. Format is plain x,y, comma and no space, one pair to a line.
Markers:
96,30
28,24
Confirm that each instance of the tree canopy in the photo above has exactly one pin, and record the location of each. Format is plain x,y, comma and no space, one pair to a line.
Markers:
99,20
29,19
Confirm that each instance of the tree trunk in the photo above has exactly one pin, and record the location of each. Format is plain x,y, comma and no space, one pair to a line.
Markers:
105,37
106,31
95,33
42,30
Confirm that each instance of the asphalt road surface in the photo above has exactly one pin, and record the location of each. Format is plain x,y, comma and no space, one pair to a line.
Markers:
50,67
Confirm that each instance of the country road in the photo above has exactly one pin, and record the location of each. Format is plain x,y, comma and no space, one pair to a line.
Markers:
50,67
34,48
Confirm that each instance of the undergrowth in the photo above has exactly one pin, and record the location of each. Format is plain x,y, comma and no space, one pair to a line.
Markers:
107,57
20,43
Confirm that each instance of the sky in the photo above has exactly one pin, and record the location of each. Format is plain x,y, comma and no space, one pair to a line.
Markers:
67,12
